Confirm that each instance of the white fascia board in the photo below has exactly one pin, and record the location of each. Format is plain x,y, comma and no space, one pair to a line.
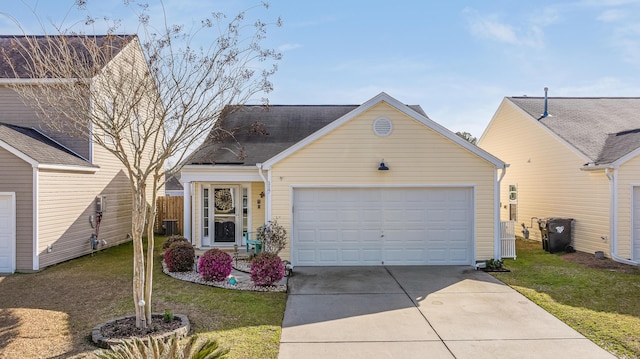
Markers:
383,97
19,154
36,164
584,157
219,173
620,161
68,168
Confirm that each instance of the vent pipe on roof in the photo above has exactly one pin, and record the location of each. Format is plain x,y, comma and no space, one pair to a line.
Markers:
546,103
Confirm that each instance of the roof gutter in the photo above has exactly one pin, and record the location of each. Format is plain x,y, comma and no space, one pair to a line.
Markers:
267,188
613,213
497,245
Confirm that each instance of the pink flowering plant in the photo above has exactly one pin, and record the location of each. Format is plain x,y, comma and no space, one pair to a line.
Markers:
215,265
266,269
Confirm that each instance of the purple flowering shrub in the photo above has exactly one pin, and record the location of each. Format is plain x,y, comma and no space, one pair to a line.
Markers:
215,265
179,257
266,269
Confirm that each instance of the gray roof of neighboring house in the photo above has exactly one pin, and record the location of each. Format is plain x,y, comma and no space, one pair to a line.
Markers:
11,50
261,132
40,147
603,129
172,182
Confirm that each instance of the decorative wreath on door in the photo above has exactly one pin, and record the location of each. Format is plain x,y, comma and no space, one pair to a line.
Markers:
224,200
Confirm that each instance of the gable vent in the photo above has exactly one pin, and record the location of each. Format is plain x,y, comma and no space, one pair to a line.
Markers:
382,126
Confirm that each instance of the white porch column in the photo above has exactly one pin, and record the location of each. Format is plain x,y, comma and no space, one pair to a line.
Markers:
186,224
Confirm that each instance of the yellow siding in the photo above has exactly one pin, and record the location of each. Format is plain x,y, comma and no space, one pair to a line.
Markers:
628,176
415,154
257,214
550,182
17,176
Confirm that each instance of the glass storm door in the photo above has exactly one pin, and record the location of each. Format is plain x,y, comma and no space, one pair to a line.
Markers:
226,213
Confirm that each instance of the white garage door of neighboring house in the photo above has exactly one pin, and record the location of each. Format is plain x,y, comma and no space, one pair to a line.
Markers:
390,226
7,233
636,223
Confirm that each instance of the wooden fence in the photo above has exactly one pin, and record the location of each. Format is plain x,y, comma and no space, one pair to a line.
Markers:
169,209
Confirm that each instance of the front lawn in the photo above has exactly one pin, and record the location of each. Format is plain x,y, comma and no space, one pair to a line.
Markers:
601,303
50,314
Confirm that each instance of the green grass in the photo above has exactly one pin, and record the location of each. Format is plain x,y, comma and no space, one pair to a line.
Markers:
602,304
93,289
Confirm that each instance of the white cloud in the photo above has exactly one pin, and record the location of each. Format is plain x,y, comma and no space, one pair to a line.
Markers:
288,47
612,15
489,27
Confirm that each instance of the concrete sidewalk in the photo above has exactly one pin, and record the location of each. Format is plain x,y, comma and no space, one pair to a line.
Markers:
419,312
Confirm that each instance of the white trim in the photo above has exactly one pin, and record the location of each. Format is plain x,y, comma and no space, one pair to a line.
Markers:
12,195
620,161
35,164
383,97
68,168
186,218
18,154
400,185
268,210
584,157
473,208
35,225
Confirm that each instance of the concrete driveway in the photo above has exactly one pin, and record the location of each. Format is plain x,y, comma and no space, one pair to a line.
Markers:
419,312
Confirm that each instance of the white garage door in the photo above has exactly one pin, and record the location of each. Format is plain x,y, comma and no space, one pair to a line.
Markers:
7,234
375,226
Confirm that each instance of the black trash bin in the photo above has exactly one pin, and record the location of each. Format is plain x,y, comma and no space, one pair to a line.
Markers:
559,234
170,226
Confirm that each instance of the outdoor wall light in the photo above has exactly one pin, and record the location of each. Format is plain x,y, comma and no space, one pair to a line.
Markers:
383,167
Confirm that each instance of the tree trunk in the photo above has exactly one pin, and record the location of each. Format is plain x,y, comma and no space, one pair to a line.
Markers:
139,278
151,217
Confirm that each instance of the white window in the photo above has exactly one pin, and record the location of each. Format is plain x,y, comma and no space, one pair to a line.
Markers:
513,193
108,108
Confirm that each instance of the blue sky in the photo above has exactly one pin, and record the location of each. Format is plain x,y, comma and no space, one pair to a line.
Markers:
457,59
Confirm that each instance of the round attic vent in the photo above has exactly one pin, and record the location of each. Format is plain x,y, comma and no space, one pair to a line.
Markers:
382,126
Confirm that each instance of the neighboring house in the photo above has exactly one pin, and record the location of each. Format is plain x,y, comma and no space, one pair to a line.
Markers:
374,184
172,186
572,158
56,190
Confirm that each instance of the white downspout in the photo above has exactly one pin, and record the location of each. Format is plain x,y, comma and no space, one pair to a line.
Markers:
613,213
267,197
497,246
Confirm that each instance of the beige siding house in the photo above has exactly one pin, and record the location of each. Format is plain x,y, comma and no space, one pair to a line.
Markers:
374,184
573,158
51,183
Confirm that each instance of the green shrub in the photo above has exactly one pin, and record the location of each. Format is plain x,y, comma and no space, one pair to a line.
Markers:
266,269
173,239
179,257
215,265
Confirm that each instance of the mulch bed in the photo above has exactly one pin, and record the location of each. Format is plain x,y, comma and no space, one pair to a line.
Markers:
126,327
590,260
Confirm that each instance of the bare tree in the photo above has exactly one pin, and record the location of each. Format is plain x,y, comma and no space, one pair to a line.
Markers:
148,104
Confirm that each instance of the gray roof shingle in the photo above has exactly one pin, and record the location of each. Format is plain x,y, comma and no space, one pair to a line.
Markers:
603,129
39,147
11,50
261,132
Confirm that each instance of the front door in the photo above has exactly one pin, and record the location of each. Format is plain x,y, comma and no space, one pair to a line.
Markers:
226,214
